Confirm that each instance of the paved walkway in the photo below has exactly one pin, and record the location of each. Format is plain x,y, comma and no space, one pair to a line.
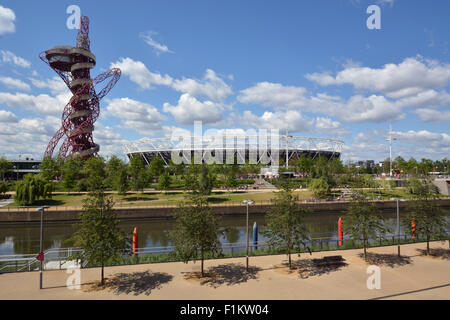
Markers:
414,276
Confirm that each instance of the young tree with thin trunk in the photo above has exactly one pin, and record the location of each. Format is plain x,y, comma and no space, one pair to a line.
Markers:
99,235
164,181
428,216
196,231
285,223
71,173
363,221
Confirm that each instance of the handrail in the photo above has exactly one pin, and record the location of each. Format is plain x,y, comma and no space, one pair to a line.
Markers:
19,264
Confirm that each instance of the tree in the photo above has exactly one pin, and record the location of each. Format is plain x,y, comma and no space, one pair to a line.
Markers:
122,181
94,173
205,180
137,173
164,181
156,167
3,188
319,187
32,188
363,221
5,166
99,234
285,224
114,168
190,180
196,231
230,180
416,187
427,215
51,168
71,171
304,164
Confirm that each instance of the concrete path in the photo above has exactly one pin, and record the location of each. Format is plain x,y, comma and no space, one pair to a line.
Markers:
414,276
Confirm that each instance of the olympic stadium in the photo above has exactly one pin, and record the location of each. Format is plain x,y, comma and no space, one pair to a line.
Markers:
269,151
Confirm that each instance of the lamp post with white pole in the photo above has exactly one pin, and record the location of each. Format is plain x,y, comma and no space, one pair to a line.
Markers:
390,139
41,250
398,225
247,202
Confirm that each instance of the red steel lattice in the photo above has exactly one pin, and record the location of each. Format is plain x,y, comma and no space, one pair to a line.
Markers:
73,65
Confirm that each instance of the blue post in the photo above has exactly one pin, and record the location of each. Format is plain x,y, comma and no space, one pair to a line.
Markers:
255,235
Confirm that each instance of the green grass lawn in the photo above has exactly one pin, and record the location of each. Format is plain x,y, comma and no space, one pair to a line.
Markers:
152,198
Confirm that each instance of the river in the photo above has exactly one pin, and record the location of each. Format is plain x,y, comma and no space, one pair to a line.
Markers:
24,239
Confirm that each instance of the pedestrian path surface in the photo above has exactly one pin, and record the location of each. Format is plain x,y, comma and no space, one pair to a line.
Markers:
412,276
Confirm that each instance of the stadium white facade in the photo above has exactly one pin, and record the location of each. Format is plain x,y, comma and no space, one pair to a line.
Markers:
266,150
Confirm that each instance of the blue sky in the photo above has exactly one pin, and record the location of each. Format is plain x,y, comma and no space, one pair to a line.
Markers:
312,67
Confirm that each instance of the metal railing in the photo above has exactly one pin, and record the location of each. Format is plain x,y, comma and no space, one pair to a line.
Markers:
56,258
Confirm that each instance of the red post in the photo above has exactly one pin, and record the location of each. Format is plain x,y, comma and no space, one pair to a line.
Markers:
413,228
340,233
135,241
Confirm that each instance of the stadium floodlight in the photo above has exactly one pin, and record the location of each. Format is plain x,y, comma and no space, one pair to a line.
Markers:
390,139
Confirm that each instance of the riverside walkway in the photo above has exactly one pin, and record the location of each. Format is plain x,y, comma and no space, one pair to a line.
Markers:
413,276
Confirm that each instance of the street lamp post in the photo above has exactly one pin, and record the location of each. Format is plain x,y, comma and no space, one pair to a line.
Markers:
398,225
41,250
390,139
247,202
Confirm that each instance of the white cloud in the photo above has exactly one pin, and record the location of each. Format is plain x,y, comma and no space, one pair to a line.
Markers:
356,109
111,142
431,115
172,131
7,117
410,77
56,85
291,120
135,115
9,57
329,127
139,74
189,109
28,136
148,38
371,109
424,138
7,18
273,95
210,86
15,83
42,104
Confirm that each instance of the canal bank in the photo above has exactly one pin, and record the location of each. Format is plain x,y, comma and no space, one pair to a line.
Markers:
60,215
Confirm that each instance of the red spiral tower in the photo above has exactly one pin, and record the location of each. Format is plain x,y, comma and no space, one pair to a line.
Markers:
73,65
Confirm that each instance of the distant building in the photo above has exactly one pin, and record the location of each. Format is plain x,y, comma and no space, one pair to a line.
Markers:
22,167
365,163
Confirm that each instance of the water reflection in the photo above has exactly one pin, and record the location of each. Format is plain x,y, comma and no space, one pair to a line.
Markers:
154,233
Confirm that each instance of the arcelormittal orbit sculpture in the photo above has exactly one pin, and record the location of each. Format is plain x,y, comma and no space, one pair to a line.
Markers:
73,65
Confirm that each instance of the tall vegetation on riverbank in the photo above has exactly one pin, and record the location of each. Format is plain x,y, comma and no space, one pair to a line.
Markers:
425,217
99,234
363,221
196,233
285,224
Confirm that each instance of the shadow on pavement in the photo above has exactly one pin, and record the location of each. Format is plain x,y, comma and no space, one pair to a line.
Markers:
137,282
390,260
437,253
316,267
225,274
